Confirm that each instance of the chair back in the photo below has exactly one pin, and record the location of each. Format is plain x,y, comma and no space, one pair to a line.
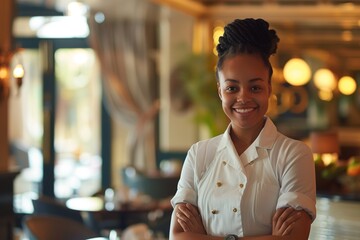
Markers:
50,206
157,187
45,227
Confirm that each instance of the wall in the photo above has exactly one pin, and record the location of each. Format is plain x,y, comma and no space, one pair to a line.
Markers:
177,129
6,15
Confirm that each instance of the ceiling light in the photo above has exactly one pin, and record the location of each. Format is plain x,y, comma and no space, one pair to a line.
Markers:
347,85
297,72
324,79
325,95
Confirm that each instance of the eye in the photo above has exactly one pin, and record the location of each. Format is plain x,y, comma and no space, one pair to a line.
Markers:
230,89
256,89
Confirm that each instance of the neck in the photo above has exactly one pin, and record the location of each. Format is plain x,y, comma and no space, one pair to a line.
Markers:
244,137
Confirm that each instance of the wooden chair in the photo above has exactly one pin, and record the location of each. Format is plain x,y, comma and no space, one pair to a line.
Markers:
45,227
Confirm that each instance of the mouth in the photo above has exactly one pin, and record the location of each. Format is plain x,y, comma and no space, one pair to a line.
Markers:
244,110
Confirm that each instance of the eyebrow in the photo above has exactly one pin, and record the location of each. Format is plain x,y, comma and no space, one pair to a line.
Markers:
250,80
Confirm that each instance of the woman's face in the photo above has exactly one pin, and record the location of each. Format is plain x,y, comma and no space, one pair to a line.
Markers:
244,89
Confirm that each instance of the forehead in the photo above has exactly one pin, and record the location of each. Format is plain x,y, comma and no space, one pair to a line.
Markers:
244,66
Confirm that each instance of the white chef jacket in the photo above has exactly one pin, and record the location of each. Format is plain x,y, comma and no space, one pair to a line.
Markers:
239,194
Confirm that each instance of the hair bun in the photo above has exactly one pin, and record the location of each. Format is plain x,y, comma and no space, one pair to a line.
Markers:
249,34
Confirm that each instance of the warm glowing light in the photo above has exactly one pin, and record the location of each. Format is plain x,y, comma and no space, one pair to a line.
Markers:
347,85
217,33
4,72
325,145
325,95
297,72
18,71
324,79
329,158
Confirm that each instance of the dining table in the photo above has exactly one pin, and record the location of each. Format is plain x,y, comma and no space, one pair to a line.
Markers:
113,214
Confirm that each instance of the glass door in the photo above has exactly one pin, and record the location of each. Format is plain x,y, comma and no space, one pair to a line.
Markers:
55,129
77,123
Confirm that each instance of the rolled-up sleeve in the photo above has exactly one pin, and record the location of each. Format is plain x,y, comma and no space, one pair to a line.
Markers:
298,201
186,189
298,188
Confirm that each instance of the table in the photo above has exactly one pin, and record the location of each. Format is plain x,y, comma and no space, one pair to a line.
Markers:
98,204
336,219
122,215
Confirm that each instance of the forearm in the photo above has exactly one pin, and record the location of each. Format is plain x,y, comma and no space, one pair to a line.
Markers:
190,235
288,224
300,230
177,232
267,237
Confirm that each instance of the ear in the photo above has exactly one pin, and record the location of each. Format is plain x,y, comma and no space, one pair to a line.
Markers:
219,90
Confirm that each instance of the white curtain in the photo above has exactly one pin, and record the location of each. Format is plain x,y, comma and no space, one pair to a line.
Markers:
125,46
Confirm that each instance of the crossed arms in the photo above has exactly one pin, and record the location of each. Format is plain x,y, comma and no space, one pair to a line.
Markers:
287,223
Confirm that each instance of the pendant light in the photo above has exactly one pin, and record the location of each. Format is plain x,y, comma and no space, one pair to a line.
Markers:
347,85
297,72
324,79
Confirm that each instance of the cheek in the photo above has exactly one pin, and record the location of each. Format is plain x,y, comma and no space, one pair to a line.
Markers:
226,100
227,105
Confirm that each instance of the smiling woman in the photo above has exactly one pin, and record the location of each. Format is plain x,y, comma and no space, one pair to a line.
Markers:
226,180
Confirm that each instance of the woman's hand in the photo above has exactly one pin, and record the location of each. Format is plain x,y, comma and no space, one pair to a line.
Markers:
189,218
284,220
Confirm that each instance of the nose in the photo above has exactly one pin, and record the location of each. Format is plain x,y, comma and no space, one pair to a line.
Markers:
243,96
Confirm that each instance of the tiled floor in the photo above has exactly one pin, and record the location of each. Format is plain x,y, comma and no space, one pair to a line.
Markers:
336,220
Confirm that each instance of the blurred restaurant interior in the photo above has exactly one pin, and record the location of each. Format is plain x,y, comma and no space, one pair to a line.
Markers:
100,101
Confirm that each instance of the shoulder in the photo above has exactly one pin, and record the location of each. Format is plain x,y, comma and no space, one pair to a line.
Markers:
279,143
207,144
291,145
202,153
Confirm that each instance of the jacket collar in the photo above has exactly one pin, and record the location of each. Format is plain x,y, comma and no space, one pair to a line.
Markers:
265,140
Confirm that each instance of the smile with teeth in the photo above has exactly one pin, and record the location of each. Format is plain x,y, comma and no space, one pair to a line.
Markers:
243,110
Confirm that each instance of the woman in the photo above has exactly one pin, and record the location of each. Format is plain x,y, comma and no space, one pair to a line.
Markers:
250,182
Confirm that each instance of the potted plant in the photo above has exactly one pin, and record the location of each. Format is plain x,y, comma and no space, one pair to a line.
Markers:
193,85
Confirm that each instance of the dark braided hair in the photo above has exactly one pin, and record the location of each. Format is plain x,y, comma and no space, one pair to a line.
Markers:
247,36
